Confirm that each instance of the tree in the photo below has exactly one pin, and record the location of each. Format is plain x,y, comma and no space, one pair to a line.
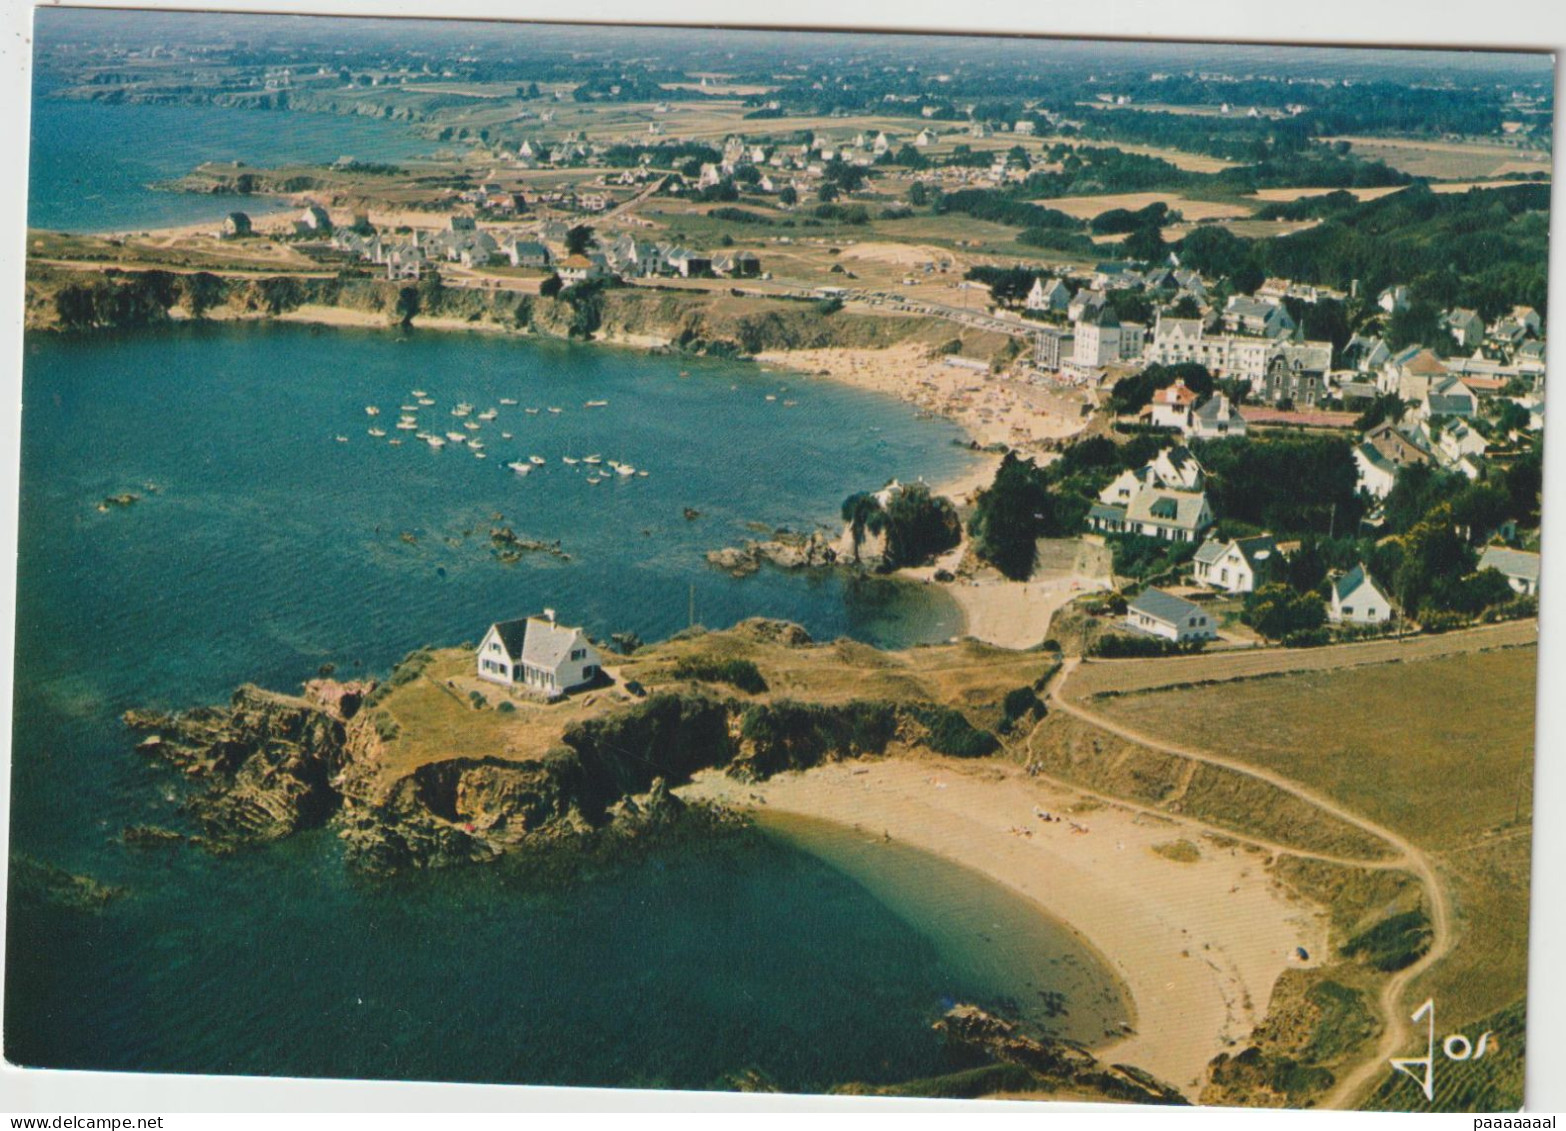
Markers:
407,305
551,286
202,291
862,511
788,196
579,239
75,306
827,193
919,525
1187,307
1277,611
1015,511
918,194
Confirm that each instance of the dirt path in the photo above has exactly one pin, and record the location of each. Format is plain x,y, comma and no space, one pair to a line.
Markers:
1394,1036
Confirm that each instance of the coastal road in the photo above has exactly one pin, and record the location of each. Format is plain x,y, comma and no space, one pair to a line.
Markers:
1349,1090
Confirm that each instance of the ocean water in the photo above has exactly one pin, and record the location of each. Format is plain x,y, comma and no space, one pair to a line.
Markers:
92,165
263,547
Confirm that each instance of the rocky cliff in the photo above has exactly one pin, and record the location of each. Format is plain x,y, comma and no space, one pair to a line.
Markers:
268,765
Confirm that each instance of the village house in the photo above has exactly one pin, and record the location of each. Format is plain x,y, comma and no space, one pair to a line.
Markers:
1153,511
314,220
1239,565
1214,419
1297,374
1158,613
1356,599
1377,474
1446,397
1393,299
580,269
527,253
1244,315
1519,567
1051,295
1365,354
1465,326
1171,406
538,655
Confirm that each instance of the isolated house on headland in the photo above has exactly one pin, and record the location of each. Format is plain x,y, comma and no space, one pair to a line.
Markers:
538,655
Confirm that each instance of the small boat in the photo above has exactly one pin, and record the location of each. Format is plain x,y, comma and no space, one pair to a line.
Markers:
531,411
556,411
408,407
408,425
417,393
641,475
371,410
520,468
488,414
426,401
435,441
572,460
595,404
457,437
472,426
505,435
479,455
342,439
770,397
537,461
789,404
684,373
596,480
507,400
394,442
594,460
461,410
476,445
377,432
625,470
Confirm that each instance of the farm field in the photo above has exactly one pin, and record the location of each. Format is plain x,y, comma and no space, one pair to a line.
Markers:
1451,160
1400,751
1087,207
1287,195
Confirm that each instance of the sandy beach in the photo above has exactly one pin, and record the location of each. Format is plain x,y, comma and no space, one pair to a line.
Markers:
991,409
1198,945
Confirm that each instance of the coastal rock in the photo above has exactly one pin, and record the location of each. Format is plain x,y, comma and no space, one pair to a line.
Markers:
770,631
810,551
973,1035
266,760
44,883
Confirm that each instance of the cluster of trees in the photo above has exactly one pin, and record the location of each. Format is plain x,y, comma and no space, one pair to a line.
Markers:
1130,394
1485,249
1017,509
916,524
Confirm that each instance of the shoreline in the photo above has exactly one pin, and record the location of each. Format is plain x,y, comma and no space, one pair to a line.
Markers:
1198,959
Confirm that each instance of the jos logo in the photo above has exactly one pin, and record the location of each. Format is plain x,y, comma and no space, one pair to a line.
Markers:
1454,1047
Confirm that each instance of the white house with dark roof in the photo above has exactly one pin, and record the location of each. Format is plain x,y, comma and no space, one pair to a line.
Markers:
1519,567
1238,565
1214,419
1174,618
1356,599
538,655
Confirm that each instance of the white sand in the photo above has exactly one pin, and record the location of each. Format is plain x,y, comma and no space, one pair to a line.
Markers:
1199,945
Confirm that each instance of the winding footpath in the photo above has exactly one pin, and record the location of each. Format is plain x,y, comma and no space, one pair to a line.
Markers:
1351,1088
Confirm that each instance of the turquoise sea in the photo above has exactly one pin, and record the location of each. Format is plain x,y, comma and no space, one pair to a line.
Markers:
93,165
263,546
